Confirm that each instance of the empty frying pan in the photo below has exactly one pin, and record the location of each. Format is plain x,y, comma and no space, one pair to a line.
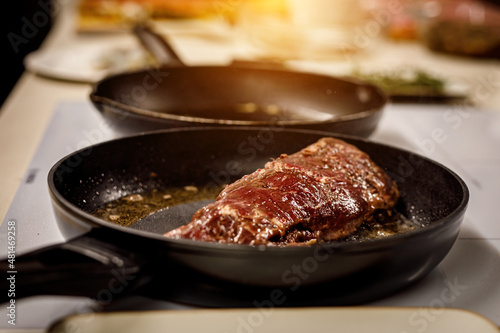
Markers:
175,95
110,259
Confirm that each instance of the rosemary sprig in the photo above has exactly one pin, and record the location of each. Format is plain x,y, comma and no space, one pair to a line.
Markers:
404,82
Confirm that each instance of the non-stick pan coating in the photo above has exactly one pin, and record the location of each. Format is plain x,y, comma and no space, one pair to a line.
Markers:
431,195
165,97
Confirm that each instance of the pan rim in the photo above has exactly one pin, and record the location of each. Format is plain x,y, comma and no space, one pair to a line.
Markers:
193,245
154,115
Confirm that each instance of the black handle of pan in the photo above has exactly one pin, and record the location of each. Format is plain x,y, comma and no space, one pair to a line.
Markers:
157,46
85,266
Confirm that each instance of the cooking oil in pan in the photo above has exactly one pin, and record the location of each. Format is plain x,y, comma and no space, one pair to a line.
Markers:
383,224
129,209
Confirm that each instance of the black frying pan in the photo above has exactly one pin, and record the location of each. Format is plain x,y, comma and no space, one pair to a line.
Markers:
109,260
174,95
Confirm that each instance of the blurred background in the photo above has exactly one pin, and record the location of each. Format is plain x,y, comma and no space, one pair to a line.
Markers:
280,30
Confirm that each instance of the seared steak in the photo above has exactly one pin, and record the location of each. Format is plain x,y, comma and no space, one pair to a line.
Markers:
323,192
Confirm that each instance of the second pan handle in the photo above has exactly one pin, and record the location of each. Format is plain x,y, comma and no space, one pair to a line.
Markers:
157,46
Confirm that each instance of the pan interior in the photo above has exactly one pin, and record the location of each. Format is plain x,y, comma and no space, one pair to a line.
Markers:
250,96
208,159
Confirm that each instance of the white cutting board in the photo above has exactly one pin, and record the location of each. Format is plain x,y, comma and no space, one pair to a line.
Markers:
271,320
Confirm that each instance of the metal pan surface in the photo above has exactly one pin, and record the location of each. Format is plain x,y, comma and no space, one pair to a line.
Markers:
329,273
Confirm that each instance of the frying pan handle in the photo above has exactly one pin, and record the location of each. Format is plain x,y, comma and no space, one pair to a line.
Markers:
157,46
84,266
